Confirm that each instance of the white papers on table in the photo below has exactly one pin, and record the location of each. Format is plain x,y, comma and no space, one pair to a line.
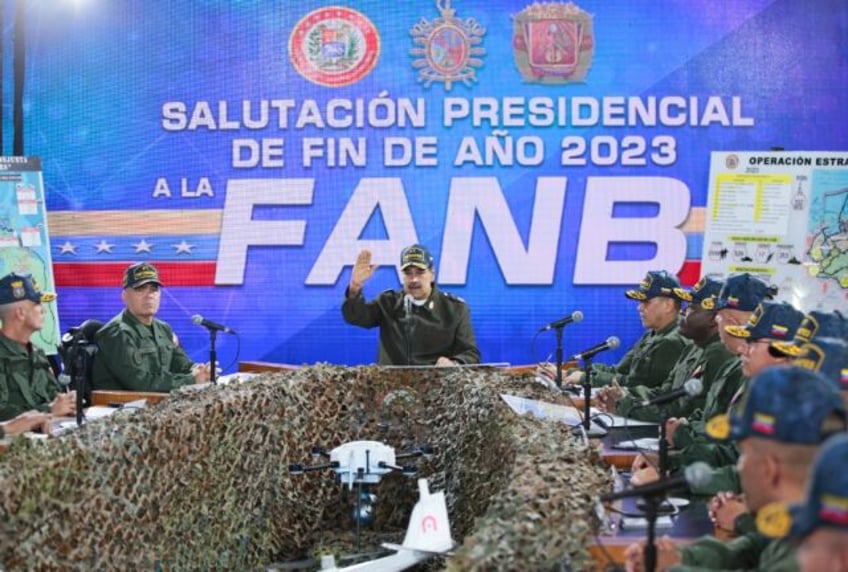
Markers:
638,522
646,444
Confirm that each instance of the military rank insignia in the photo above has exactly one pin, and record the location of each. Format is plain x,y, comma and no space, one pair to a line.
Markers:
553,43
448,50
18,290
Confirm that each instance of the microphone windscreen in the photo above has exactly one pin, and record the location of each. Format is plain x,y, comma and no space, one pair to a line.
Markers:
197,319
613,342
577,316
693,387
89,328
698,475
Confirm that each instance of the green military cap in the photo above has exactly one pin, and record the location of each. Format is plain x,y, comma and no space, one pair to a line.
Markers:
141,273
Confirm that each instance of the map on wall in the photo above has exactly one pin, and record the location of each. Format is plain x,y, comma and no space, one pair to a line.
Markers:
24,240
782,216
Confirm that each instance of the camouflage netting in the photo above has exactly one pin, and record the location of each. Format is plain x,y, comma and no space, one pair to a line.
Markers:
201,481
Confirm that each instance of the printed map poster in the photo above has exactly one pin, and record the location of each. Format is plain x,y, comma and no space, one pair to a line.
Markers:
24,242
782,216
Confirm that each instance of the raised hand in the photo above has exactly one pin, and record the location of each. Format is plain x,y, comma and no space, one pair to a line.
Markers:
362,271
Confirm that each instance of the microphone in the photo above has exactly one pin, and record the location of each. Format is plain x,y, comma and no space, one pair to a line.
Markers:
84,332
88,328
562,322
696,475
611,343
199,320
691,388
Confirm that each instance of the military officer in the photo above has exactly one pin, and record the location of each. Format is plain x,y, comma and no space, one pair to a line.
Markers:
419,324
788,414
26,380
137,351
819,523
703,359
651,359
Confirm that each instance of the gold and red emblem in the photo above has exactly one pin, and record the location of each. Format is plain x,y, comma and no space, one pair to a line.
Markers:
18,290
553,43
334,46
448,49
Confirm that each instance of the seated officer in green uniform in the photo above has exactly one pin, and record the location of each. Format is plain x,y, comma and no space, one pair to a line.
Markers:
819,523
788,414
419,324
827,356
26,380
703,359
735,304
768,321
137,351
650,360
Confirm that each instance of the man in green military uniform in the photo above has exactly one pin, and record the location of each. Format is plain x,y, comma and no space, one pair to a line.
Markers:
772,323
819,524
419,324
649,362
703,360
745,330
788,413
26,380
137,351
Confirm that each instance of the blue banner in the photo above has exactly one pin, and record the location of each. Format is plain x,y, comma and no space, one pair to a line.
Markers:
548,154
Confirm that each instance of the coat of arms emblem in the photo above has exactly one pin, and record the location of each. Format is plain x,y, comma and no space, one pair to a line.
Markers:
448,49
553,43
334,46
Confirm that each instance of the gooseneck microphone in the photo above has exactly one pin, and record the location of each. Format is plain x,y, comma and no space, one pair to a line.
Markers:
696,475
199,320
562,322
692,388
611,343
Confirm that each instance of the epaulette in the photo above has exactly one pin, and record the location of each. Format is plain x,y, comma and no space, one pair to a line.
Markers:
453,297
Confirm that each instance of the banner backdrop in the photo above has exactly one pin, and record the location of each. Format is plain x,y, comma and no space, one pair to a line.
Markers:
548,154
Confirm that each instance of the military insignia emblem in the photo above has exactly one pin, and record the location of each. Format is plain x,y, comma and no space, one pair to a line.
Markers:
774,520
18,290
448,49
553,43
718,427
334,46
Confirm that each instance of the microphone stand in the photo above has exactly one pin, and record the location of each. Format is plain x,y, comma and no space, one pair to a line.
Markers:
663,445
559,355
82,352
587,392
213,357
78,377
649,553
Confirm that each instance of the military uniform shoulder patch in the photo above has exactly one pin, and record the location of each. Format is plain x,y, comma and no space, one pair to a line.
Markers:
453,297
774,520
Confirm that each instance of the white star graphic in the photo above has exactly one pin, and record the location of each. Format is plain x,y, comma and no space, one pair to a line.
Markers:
104,246
183,247
67,248
143,246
